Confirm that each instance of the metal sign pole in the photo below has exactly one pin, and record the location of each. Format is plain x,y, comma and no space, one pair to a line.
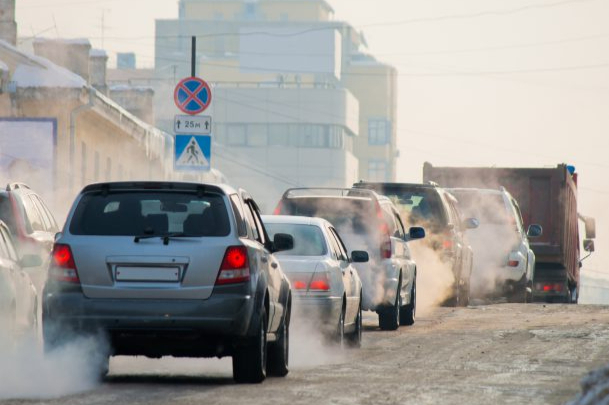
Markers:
193,57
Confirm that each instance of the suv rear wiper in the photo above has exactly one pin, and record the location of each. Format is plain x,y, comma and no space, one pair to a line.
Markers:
165,237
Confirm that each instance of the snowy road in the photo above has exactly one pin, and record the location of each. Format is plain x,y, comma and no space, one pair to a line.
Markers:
505,353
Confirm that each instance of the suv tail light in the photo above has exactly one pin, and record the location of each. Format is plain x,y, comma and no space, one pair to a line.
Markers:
385,236
62,266
320,282
277,210
235,266
448,241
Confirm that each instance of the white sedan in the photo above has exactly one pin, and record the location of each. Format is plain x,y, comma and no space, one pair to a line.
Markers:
325,284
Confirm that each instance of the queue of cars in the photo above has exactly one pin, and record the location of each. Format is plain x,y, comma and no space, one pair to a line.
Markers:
195,270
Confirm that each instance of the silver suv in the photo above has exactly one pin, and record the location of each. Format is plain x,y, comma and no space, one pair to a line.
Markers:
171,269
504,263
368,222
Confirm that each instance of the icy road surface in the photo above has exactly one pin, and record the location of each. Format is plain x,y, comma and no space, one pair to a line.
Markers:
495,354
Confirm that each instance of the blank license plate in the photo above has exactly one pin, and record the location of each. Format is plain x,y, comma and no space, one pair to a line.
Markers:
147,274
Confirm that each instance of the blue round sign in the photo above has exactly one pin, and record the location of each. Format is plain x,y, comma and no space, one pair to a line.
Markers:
192,95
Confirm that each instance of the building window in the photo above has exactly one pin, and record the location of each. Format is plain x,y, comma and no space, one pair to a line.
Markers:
257,135
250,11
379,131
235,135
377,170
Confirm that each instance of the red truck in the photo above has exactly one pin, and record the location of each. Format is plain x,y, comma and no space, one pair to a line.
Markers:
547,196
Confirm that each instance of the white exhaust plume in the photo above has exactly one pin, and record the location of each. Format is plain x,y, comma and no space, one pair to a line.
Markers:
27,372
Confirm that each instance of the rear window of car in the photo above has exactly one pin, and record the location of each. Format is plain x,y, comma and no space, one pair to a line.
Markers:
6,213
150,213
486,208
355,214
308,239
418,206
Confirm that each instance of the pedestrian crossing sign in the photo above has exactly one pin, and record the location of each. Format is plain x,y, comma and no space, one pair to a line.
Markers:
192,153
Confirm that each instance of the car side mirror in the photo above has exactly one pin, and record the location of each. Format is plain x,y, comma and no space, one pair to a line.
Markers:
283,241
416,232
30,261
359,256
589,245
471,223
534,231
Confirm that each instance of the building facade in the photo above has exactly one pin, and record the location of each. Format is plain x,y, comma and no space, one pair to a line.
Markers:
293,93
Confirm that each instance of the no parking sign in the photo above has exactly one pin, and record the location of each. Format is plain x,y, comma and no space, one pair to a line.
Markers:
192,95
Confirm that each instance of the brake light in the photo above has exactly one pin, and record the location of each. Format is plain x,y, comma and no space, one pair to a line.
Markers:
299,285
277,210
320,282
63,267
385,249
448,242
556,287
513,263
235,266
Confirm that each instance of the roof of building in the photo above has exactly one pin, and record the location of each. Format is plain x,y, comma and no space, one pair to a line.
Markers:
33,71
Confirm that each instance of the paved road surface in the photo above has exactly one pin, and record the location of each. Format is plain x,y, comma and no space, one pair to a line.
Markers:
500,354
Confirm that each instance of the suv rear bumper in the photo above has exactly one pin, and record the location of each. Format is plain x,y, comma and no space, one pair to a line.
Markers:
151,327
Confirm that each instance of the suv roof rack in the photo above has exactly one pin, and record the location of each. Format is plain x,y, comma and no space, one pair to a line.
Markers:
15,186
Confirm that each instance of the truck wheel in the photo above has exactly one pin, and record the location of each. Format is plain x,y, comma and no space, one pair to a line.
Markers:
408,312
389,317
278,352
249,361
354,339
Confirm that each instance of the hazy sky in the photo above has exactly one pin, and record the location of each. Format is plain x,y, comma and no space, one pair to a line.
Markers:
482,82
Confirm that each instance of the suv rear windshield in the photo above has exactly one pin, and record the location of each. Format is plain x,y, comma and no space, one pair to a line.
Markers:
350,213
487,208
418,206
150,213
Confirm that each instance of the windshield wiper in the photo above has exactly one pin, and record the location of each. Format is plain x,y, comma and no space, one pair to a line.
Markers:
165,237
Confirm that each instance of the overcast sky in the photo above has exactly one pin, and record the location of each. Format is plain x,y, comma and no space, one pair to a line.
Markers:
482,82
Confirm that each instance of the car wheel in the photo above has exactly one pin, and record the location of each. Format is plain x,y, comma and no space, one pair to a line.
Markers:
463,297
339,338
389,318
408,312
354,339
278,352
249,361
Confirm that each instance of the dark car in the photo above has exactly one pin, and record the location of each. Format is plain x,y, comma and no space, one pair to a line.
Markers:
31,223
368,222
171,269
433,208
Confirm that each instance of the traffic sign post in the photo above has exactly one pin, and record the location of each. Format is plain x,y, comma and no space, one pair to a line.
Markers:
192,152
192,95
192,124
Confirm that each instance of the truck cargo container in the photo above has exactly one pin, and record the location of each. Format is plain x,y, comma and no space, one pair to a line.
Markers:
547,196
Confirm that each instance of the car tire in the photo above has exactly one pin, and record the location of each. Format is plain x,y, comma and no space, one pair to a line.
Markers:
354,339
339,337
249,360
389,317
279,351
408,312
